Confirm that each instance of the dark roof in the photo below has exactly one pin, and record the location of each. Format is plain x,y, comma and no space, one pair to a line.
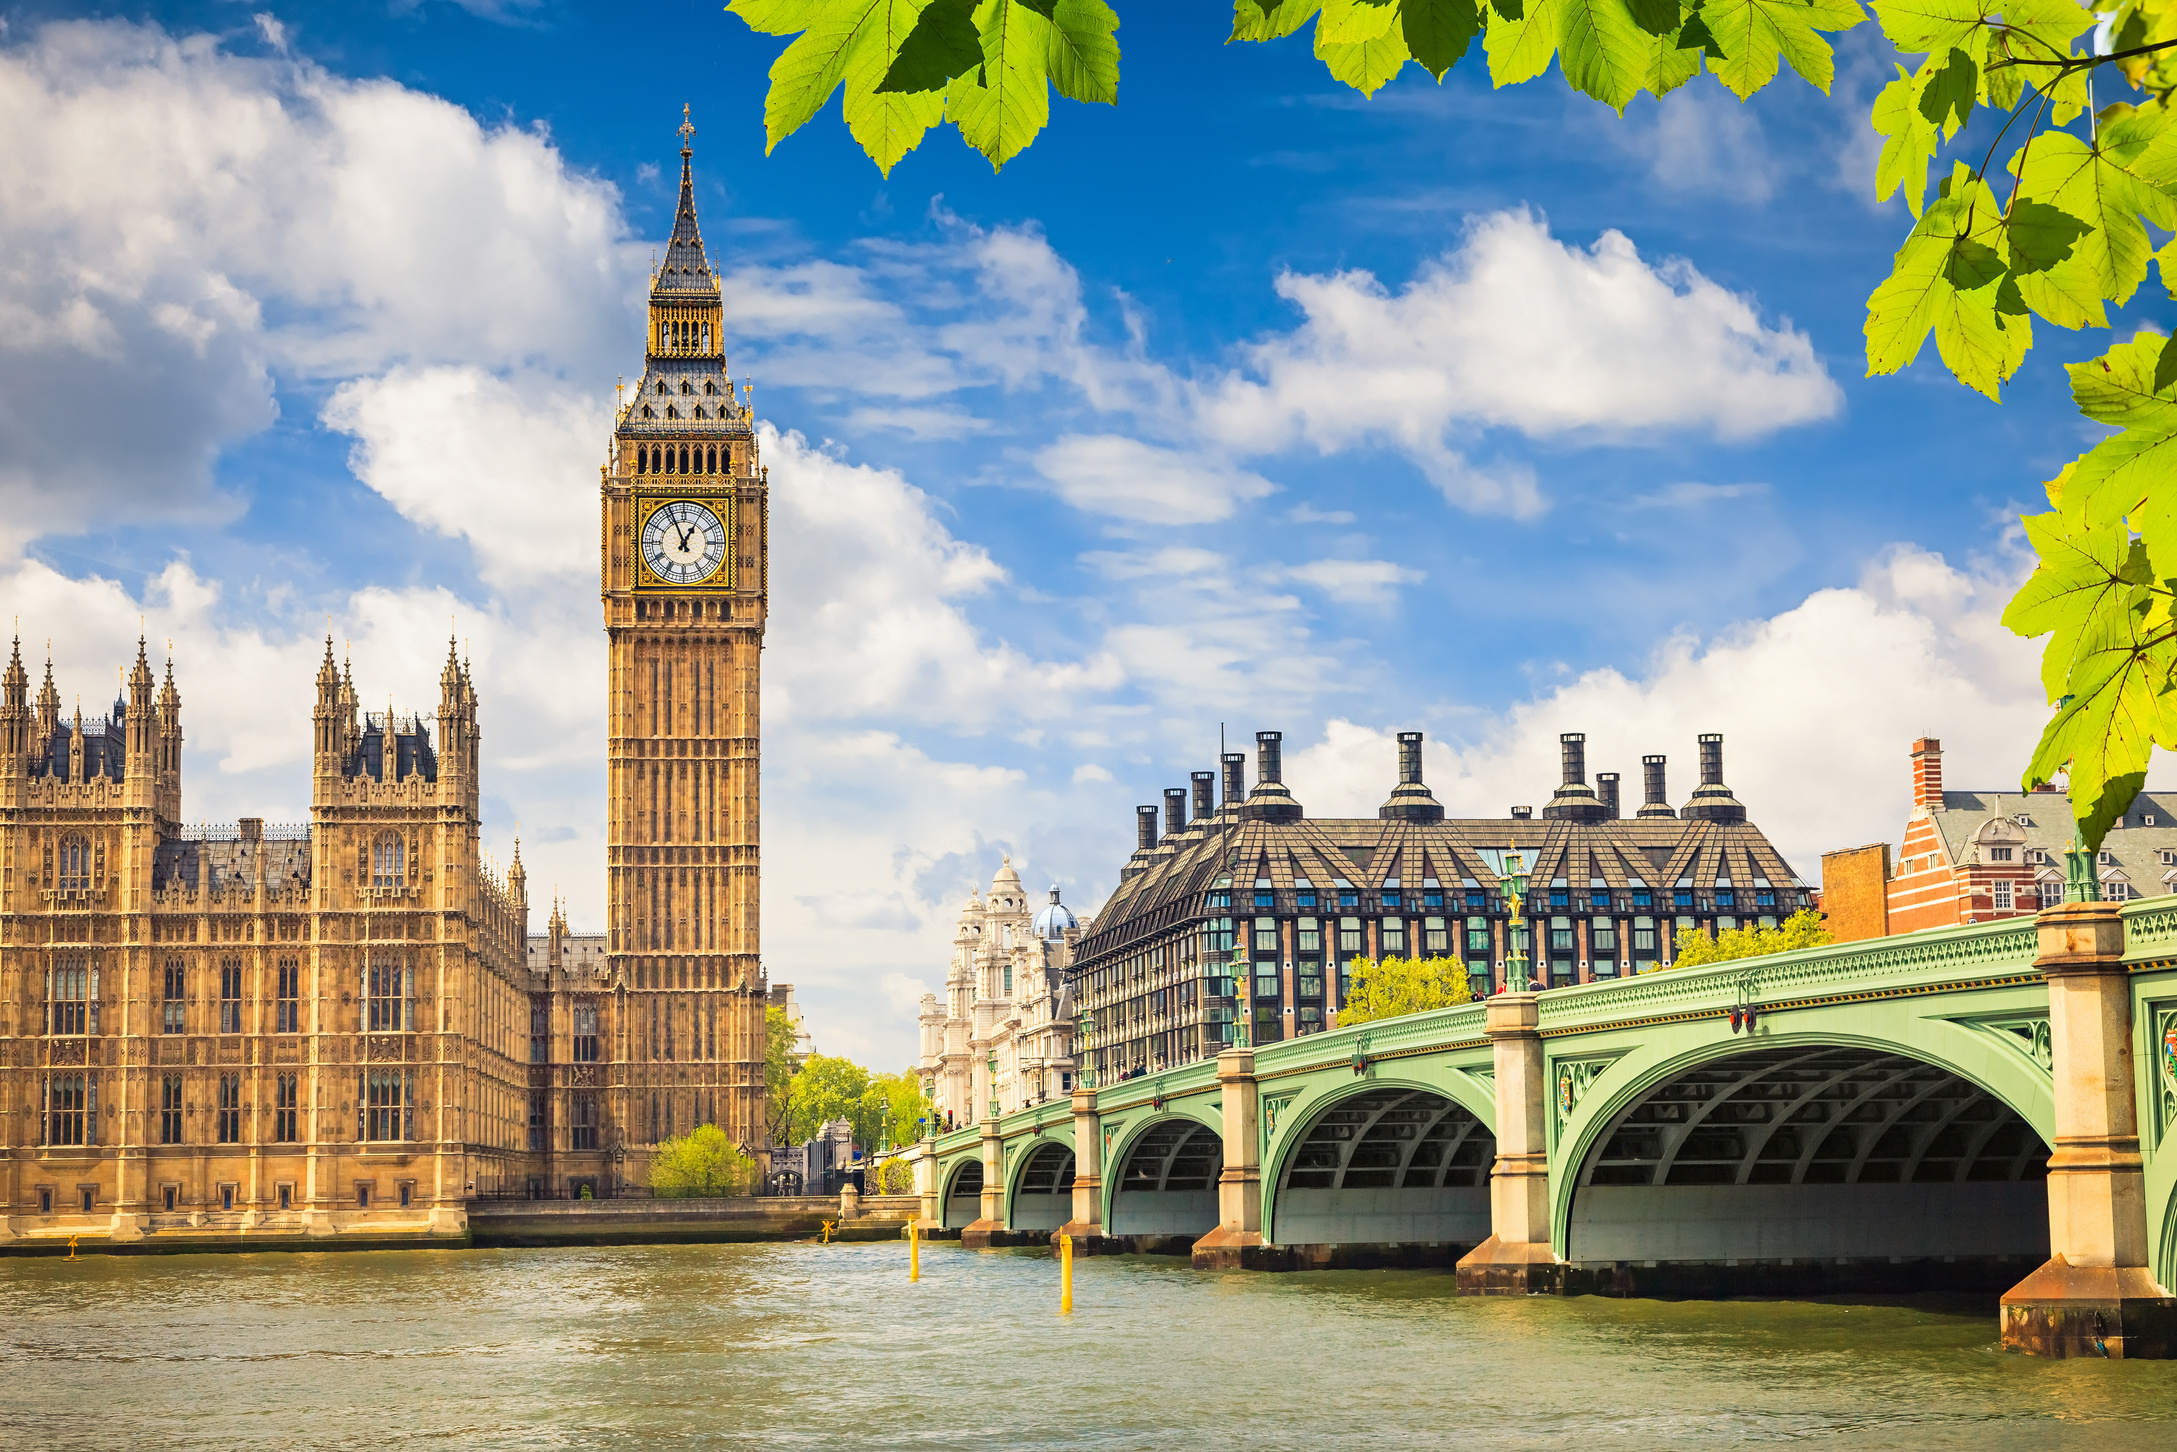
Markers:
686,275
177,863
1164,886
676,412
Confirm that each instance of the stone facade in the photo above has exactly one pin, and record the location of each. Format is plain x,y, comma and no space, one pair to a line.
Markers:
310,1030
1003,1036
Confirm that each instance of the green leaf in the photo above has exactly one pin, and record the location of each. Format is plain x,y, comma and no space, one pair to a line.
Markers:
1364,65
1950,278
887,124
810,69
1657,17
1672,61
2126,388
2091,182
1083,57
1253,21
2165,366
1439,31
1002,104
1947,94
1349,22
1911,146
1754,34
1601,50
2119,708
1918,26
942,45
779,17
1522,46
2040,235
2084,580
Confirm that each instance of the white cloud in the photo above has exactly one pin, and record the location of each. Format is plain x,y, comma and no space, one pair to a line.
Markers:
867,596
495,461
177,222
1518,330
1818,706
1126,478
1089,771
1357,582
1702,139
1691,495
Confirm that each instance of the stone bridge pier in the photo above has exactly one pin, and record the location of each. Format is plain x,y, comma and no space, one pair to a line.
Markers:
2096,1295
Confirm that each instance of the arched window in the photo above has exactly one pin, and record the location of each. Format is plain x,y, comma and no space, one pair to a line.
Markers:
709,387
75,864
647,412
671,412
684,459
388,861
662,388
686,386
711,461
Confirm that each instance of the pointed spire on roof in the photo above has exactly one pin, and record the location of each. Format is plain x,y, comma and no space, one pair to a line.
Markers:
686,269
140,678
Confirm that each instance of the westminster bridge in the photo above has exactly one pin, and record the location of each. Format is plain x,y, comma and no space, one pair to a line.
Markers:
1968,1108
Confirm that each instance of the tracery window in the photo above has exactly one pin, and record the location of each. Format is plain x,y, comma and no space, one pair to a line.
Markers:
284,1116
174,1008
585,1033
75,864
386,989
389,861
289,1009
385,1097
71,1109
170,1110
230,995
584,1128
72,997
229,1115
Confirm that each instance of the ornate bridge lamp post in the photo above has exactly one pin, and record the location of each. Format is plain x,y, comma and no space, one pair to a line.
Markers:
1084,1038
1515,896
993,1066
1242,978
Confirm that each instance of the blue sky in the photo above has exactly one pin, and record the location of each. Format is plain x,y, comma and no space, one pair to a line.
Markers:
1248,401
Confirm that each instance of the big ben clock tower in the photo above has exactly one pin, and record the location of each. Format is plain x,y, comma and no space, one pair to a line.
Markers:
684,574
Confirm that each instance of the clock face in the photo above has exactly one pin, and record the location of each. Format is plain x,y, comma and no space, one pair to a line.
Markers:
683,543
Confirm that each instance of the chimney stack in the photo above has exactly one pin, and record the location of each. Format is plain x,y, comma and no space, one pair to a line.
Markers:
1573,801
1927,775
1606,787
1269,801
1654,791
1175,811
1410,801
1145,828
1205,794
1711,759
1235,764
1712,800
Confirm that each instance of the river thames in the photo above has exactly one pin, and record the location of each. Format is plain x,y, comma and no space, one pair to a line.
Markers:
818,1346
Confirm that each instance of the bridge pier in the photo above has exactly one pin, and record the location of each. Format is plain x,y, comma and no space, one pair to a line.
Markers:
1085,1227
2096,1295
929,1214
1517,1259
988,1228
1237,1242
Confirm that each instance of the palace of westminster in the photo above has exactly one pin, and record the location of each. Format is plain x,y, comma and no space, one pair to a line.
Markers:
344,1028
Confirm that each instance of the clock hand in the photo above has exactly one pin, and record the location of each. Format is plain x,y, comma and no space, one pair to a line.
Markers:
685,535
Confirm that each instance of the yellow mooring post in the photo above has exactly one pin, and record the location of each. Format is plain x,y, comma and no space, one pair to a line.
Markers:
1065,1275
914,1253
827,1232
72,1248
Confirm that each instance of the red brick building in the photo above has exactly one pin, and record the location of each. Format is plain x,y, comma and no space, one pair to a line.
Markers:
1975,856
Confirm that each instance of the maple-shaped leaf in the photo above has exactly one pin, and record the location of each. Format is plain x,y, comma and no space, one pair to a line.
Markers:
1951,279
1755,34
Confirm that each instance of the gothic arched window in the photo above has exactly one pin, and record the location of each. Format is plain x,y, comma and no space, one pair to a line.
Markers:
75,863
388,861
661,386
711,461
686,386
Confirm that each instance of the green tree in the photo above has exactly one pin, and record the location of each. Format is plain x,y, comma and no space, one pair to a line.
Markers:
1800,930
2056,229
827,1088
891,1105
779,1069
702,1162
1399,986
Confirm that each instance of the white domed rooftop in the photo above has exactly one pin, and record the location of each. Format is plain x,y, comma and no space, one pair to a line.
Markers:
1055,921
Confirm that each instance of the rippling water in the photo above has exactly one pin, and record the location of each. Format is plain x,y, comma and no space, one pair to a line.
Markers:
817,1346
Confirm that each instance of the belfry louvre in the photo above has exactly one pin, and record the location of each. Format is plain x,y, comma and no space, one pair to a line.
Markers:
1237,923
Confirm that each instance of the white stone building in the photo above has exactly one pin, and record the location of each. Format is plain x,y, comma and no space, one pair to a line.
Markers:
1002,1039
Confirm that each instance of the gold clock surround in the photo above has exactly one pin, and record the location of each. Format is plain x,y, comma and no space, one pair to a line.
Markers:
723,503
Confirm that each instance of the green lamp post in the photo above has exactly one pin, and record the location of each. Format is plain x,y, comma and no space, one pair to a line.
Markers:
1243,996
2081,882
1515,895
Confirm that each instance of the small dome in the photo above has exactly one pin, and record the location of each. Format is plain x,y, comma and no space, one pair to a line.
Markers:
1006,877
1055,921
